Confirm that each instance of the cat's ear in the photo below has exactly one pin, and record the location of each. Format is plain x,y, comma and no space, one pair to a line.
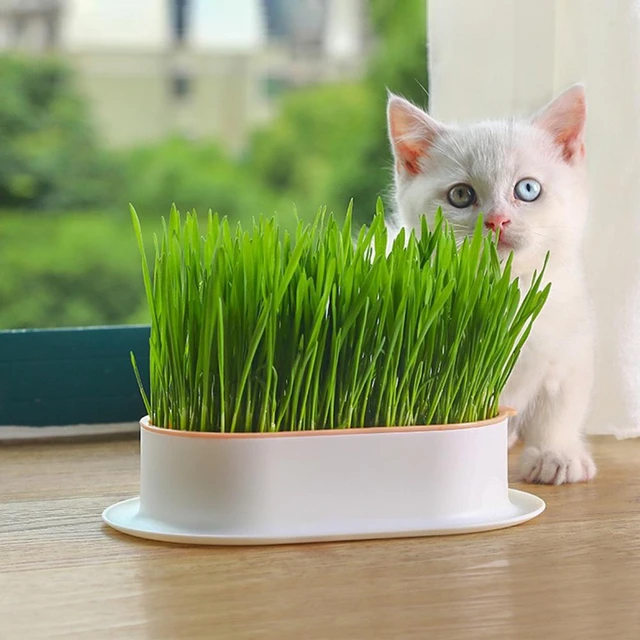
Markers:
565,118
411,131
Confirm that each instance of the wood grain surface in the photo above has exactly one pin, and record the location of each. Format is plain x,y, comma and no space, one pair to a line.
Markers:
572,573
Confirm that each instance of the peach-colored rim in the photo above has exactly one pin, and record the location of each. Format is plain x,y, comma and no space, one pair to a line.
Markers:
505,412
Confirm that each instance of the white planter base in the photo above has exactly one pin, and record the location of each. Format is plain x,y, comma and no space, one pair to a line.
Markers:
351,484
125,516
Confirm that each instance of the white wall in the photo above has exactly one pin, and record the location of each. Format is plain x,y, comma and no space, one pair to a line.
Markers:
231,26
344,35
502,57
139,25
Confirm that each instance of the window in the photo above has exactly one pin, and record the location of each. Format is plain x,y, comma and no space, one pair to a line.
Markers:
20,24
276,118
180,84
180,20
66,253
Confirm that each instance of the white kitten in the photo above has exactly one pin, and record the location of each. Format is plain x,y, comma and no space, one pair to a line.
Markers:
528,178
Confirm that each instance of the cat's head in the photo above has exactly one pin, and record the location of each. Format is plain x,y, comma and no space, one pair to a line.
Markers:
527,177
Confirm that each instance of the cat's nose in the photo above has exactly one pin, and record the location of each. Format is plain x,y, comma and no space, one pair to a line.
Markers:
496,221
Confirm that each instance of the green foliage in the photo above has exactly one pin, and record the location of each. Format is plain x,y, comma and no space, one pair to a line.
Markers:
71,270
307,149
329,143
400,64
49,157
192,175
400,61
261,331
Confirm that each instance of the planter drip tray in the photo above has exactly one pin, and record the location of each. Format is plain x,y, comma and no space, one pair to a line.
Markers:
125,517
235,489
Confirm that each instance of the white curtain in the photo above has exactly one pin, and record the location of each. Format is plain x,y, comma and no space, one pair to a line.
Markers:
508,57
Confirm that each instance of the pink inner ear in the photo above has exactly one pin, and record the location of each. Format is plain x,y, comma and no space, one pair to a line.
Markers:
409,157
565,119
572,144
412,132
568,133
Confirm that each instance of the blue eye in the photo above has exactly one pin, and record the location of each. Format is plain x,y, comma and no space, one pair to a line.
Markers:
461,196
527,190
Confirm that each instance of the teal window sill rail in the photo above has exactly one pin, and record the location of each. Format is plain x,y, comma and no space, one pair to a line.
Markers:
72,376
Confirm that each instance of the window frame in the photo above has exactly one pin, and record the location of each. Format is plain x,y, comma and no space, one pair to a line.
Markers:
77,375
72,376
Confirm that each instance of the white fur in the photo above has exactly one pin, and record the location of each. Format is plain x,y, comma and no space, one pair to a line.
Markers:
551,384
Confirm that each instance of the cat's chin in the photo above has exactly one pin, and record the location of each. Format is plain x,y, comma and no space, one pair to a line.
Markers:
505,250
507,243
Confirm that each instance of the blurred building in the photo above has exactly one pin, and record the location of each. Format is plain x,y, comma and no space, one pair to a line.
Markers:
202,68
314,41
30,26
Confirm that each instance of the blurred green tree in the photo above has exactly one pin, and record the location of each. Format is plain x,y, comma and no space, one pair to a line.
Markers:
399,65
329,143
307,150
71,270
49,156
193,175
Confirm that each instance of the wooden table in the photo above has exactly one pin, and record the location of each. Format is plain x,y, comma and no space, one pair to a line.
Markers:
573,573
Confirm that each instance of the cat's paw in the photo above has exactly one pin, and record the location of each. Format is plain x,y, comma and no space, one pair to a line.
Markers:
557,466
513,439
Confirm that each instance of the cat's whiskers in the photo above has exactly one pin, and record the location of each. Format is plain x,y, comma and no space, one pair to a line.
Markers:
444,151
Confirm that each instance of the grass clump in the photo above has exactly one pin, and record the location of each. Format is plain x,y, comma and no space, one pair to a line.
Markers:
259,330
